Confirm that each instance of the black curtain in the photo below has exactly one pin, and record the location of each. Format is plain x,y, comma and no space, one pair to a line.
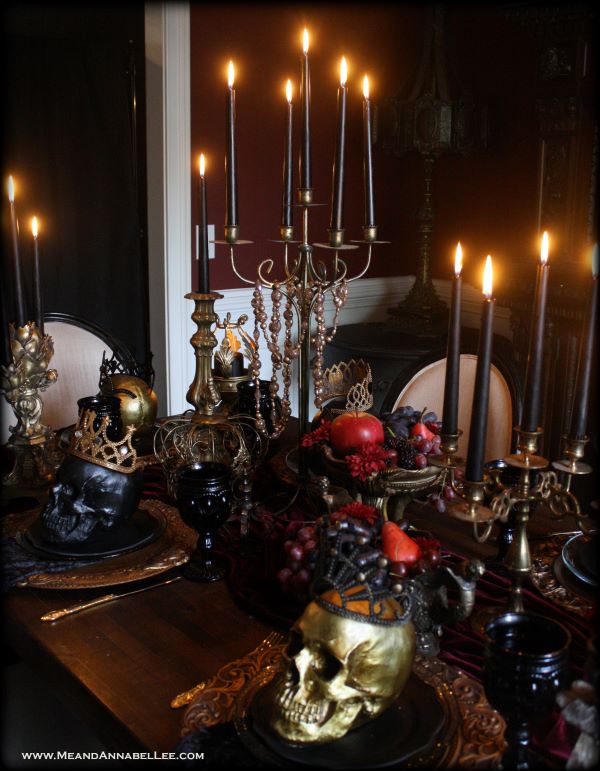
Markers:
72,146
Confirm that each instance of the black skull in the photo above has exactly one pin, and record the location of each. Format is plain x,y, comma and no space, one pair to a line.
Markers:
87,499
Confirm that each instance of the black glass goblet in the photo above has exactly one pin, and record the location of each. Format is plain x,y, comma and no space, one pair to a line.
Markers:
526,663
204,499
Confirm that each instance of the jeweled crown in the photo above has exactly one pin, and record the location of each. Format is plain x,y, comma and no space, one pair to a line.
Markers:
352,576
351,379
93,445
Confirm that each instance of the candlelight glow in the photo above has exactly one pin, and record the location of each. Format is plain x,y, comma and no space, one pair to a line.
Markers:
343,71
305,41
288,91
230,75
487,277
234,343
544,250
458,262
202,164
11,190
34,227
595,261
366,87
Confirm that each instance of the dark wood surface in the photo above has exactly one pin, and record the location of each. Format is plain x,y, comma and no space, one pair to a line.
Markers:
121,664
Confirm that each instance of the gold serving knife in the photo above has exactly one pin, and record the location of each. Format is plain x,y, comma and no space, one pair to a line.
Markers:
54,615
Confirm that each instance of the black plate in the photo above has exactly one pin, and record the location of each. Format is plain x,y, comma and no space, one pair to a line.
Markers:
138,531
580,556
406,730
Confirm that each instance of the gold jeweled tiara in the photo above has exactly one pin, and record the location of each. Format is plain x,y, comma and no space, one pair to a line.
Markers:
93,445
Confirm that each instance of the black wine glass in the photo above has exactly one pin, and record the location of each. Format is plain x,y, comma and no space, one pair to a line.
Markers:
204,499
526,663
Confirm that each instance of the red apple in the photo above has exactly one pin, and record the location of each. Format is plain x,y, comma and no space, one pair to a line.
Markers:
352,429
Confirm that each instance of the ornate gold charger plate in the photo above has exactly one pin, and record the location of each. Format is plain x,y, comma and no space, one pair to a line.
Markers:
172,548
472,733
554,580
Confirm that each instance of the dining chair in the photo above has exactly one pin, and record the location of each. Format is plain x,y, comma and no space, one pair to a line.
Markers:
423,386
79,350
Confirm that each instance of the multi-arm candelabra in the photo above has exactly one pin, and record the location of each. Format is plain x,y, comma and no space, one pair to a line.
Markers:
301,290
515,503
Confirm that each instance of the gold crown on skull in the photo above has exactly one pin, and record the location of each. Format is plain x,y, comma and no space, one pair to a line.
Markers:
93,445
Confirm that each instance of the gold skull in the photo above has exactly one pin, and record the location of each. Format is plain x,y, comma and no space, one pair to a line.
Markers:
139,403
337,673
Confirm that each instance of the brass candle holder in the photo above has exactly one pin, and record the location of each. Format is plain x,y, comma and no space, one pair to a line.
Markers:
21,383
207,433
449,447
202,394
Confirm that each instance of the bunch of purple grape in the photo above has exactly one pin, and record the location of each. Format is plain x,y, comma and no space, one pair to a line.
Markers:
440,499
300,560
414,434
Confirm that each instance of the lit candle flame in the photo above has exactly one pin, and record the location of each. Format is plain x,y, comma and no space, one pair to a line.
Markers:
230,75
11,190
202,164
366,86
343,71
544,250
288,91
305,41
595,261
34,227
234,343
487,277
458,261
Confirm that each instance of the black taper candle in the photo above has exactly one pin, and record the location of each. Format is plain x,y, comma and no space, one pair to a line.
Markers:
38,312
533,375
368,157
18,283
231,216
481,391
286,207
581,397
337,193
203,274
451,383
305,165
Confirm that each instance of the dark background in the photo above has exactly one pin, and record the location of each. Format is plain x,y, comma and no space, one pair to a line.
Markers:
487,199
76,151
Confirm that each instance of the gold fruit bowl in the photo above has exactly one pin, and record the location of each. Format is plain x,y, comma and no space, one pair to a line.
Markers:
397,483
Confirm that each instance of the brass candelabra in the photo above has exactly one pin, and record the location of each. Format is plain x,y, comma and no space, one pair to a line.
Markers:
302,290
536,484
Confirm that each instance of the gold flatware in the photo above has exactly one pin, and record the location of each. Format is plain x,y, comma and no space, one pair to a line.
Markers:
182,699
54,615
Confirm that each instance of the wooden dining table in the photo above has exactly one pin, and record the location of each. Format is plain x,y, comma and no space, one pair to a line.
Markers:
120,664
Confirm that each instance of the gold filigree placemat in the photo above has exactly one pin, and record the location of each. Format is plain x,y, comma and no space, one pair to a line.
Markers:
473,734
552,578
172,548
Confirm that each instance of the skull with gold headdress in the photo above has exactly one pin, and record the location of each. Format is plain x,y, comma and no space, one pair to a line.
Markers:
349,655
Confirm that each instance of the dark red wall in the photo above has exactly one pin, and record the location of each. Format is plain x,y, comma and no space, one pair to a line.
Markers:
486,200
